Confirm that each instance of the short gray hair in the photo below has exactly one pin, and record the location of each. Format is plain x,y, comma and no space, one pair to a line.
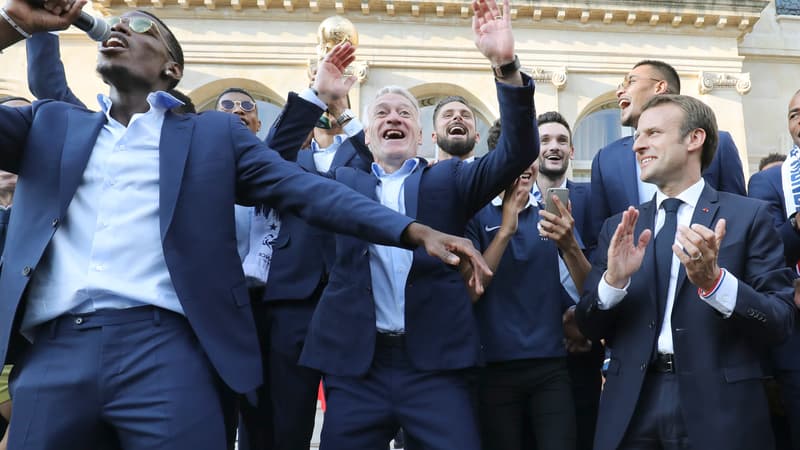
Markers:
394,89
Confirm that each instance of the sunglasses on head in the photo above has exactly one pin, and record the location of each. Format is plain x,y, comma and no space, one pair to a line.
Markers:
229,105
141,25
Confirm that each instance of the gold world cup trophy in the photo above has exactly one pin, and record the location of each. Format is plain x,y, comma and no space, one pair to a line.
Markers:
332,31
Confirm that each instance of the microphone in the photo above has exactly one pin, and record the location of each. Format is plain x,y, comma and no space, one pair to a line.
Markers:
96,28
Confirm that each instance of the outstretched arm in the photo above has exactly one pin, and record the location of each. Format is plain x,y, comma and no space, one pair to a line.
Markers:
22,19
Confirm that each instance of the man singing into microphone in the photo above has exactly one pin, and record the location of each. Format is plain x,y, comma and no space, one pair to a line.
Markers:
123,297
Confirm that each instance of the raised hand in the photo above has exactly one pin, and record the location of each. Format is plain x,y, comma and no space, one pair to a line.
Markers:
53,15
698,252
515,200
329,82
625,253
492,31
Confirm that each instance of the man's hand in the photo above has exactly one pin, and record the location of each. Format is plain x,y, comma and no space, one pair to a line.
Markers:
330,82
558,229
625,257
699,253
53,15
574,340
514,201
492,34
451,250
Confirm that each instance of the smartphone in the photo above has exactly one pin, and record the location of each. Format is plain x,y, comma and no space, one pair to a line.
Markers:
549,204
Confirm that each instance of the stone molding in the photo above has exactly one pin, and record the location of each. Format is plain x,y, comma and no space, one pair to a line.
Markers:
557,78
734,16
708,81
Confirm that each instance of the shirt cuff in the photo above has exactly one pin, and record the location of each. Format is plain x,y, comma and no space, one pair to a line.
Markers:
353,127
608,296
723,296
308,95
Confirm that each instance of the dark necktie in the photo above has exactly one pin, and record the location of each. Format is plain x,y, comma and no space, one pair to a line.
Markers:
663,244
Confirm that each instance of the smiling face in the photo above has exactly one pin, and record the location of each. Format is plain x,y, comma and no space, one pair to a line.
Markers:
667,158
794,119
249,118
394,133
639,86
132,60
454,130
556,150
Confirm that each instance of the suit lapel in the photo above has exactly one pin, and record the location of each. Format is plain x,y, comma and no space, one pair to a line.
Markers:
411,188
83,127
343,155
628,167
176,135
704,214
306,160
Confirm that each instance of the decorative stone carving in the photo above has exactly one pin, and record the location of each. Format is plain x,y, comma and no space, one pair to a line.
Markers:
713,80
557,78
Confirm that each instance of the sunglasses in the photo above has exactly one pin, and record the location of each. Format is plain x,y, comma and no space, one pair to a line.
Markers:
229,105
141,25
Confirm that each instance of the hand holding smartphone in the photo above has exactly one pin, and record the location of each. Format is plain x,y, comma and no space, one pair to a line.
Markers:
563,197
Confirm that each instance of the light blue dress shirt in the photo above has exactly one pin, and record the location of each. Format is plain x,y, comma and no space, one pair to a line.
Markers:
389,266
107,253
323,157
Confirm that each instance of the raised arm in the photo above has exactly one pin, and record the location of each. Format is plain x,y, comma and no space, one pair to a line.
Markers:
20,19
46,76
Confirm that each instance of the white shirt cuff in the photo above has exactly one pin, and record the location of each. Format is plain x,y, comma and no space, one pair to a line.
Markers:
308,95
723,299
608,296
353,127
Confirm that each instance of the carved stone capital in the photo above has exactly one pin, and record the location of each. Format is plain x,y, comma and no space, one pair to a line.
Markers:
557,78
712,80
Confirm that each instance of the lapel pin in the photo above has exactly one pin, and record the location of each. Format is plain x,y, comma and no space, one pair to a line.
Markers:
705,209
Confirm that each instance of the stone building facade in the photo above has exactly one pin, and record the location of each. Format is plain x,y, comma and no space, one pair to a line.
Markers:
741,57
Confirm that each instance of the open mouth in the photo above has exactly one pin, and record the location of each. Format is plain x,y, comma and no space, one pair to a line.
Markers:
525,176
115,42
624,103
457,129
393,134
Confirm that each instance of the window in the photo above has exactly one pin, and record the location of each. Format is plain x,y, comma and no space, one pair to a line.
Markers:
596,128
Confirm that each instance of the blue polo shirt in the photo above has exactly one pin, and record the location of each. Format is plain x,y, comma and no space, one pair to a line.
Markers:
519,315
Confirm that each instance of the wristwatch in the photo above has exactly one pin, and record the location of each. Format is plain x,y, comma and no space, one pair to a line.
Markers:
346,116
507,69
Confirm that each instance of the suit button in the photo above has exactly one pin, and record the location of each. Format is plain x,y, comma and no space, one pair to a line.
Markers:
78,320
55,223
643,366
652,324
26,271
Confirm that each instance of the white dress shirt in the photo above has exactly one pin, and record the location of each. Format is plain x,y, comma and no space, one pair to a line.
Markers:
107,253
723,299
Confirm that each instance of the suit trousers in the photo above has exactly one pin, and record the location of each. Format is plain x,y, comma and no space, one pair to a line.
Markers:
285,411
139,373
587,382
657,423
523,396
434,408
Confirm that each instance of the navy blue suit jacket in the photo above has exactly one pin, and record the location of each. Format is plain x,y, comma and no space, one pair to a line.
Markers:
766,185
209,162
615,185
46,78
580,197
717,360
302,254
441,332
